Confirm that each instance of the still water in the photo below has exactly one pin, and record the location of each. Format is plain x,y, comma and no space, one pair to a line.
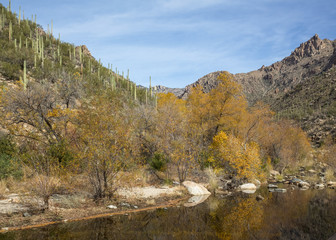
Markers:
292,215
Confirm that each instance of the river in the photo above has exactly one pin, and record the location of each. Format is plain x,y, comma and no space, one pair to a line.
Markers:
295,214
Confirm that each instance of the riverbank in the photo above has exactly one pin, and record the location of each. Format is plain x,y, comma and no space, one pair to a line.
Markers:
22,212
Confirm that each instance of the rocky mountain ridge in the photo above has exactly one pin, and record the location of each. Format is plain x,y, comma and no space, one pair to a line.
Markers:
298,87
309,59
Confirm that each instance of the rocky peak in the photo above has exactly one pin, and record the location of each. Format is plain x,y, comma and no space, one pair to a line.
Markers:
310,58
85,50
162,89
309,48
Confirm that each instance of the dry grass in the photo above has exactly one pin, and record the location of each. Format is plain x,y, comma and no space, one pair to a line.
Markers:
312,178
135,178
308,162
3,188
279,178
69,201
212,179
329,174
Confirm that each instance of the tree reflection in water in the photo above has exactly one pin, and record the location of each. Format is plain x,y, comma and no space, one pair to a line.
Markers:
293,215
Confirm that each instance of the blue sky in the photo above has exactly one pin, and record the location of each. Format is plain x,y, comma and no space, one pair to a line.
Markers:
178,41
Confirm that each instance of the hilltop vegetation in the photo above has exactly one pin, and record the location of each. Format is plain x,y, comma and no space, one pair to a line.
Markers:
300,87
72,125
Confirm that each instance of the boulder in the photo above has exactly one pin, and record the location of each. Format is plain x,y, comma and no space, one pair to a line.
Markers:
256,182
26,214
195,188
274,172
304,187
295,181
125,204
303,184
248,186
331,184
272,186
111,207
319,186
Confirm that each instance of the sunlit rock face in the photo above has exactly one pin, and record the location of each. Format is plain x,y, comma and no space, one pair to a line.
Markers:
195,189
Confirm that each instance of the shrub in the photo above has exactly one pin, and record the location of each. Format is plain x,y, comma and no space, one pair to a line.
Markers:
10,71
8,162
60,152
158,162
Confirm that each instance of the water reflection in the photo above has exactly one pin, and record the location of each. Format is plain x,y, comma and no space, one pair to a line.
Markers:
291,215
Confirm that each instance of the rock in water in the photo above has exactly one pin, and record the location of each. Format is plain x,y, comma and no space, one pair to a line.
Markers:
331,184
112,207
319,186
195,188
304,185
248,186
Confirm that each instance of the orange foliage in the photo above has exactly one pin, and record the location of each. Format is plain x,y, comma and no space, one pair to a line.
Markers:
243,159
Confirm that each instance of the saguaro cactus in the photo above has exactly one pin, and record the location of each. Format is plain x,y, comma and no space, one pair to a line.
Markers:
112,82
19,15
150,87
80,54
146,97
10,31
24,75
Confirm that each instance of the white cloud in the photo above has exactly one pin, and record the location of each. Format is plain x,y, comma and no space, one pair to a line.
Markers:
178,41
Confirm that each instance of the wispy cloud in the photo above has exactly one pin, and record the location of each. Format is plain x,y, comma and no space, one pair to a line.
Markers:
179,41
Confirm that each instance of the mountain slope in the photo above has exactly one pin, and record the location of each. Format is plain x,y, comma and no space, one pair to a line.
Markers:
309,59
301,86
30,54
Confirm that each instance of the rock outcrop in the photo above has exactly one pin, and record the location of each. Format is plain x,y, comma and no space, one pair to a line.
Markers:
310,58
301,86
195,188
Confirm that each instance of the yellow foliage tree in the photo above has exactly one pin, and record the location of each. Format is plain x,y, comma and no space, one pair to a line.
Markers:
285,144
220,109
174,133
230,153
104,143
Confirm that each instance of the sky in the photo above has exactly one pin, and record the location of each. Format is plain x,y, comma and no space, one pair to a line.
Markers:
176,42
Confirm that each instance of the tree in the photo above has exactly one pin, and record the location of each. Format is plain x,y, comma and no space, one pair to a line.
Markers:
104,133
174,134
231,154
252,123
219,110
285,144
35,114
